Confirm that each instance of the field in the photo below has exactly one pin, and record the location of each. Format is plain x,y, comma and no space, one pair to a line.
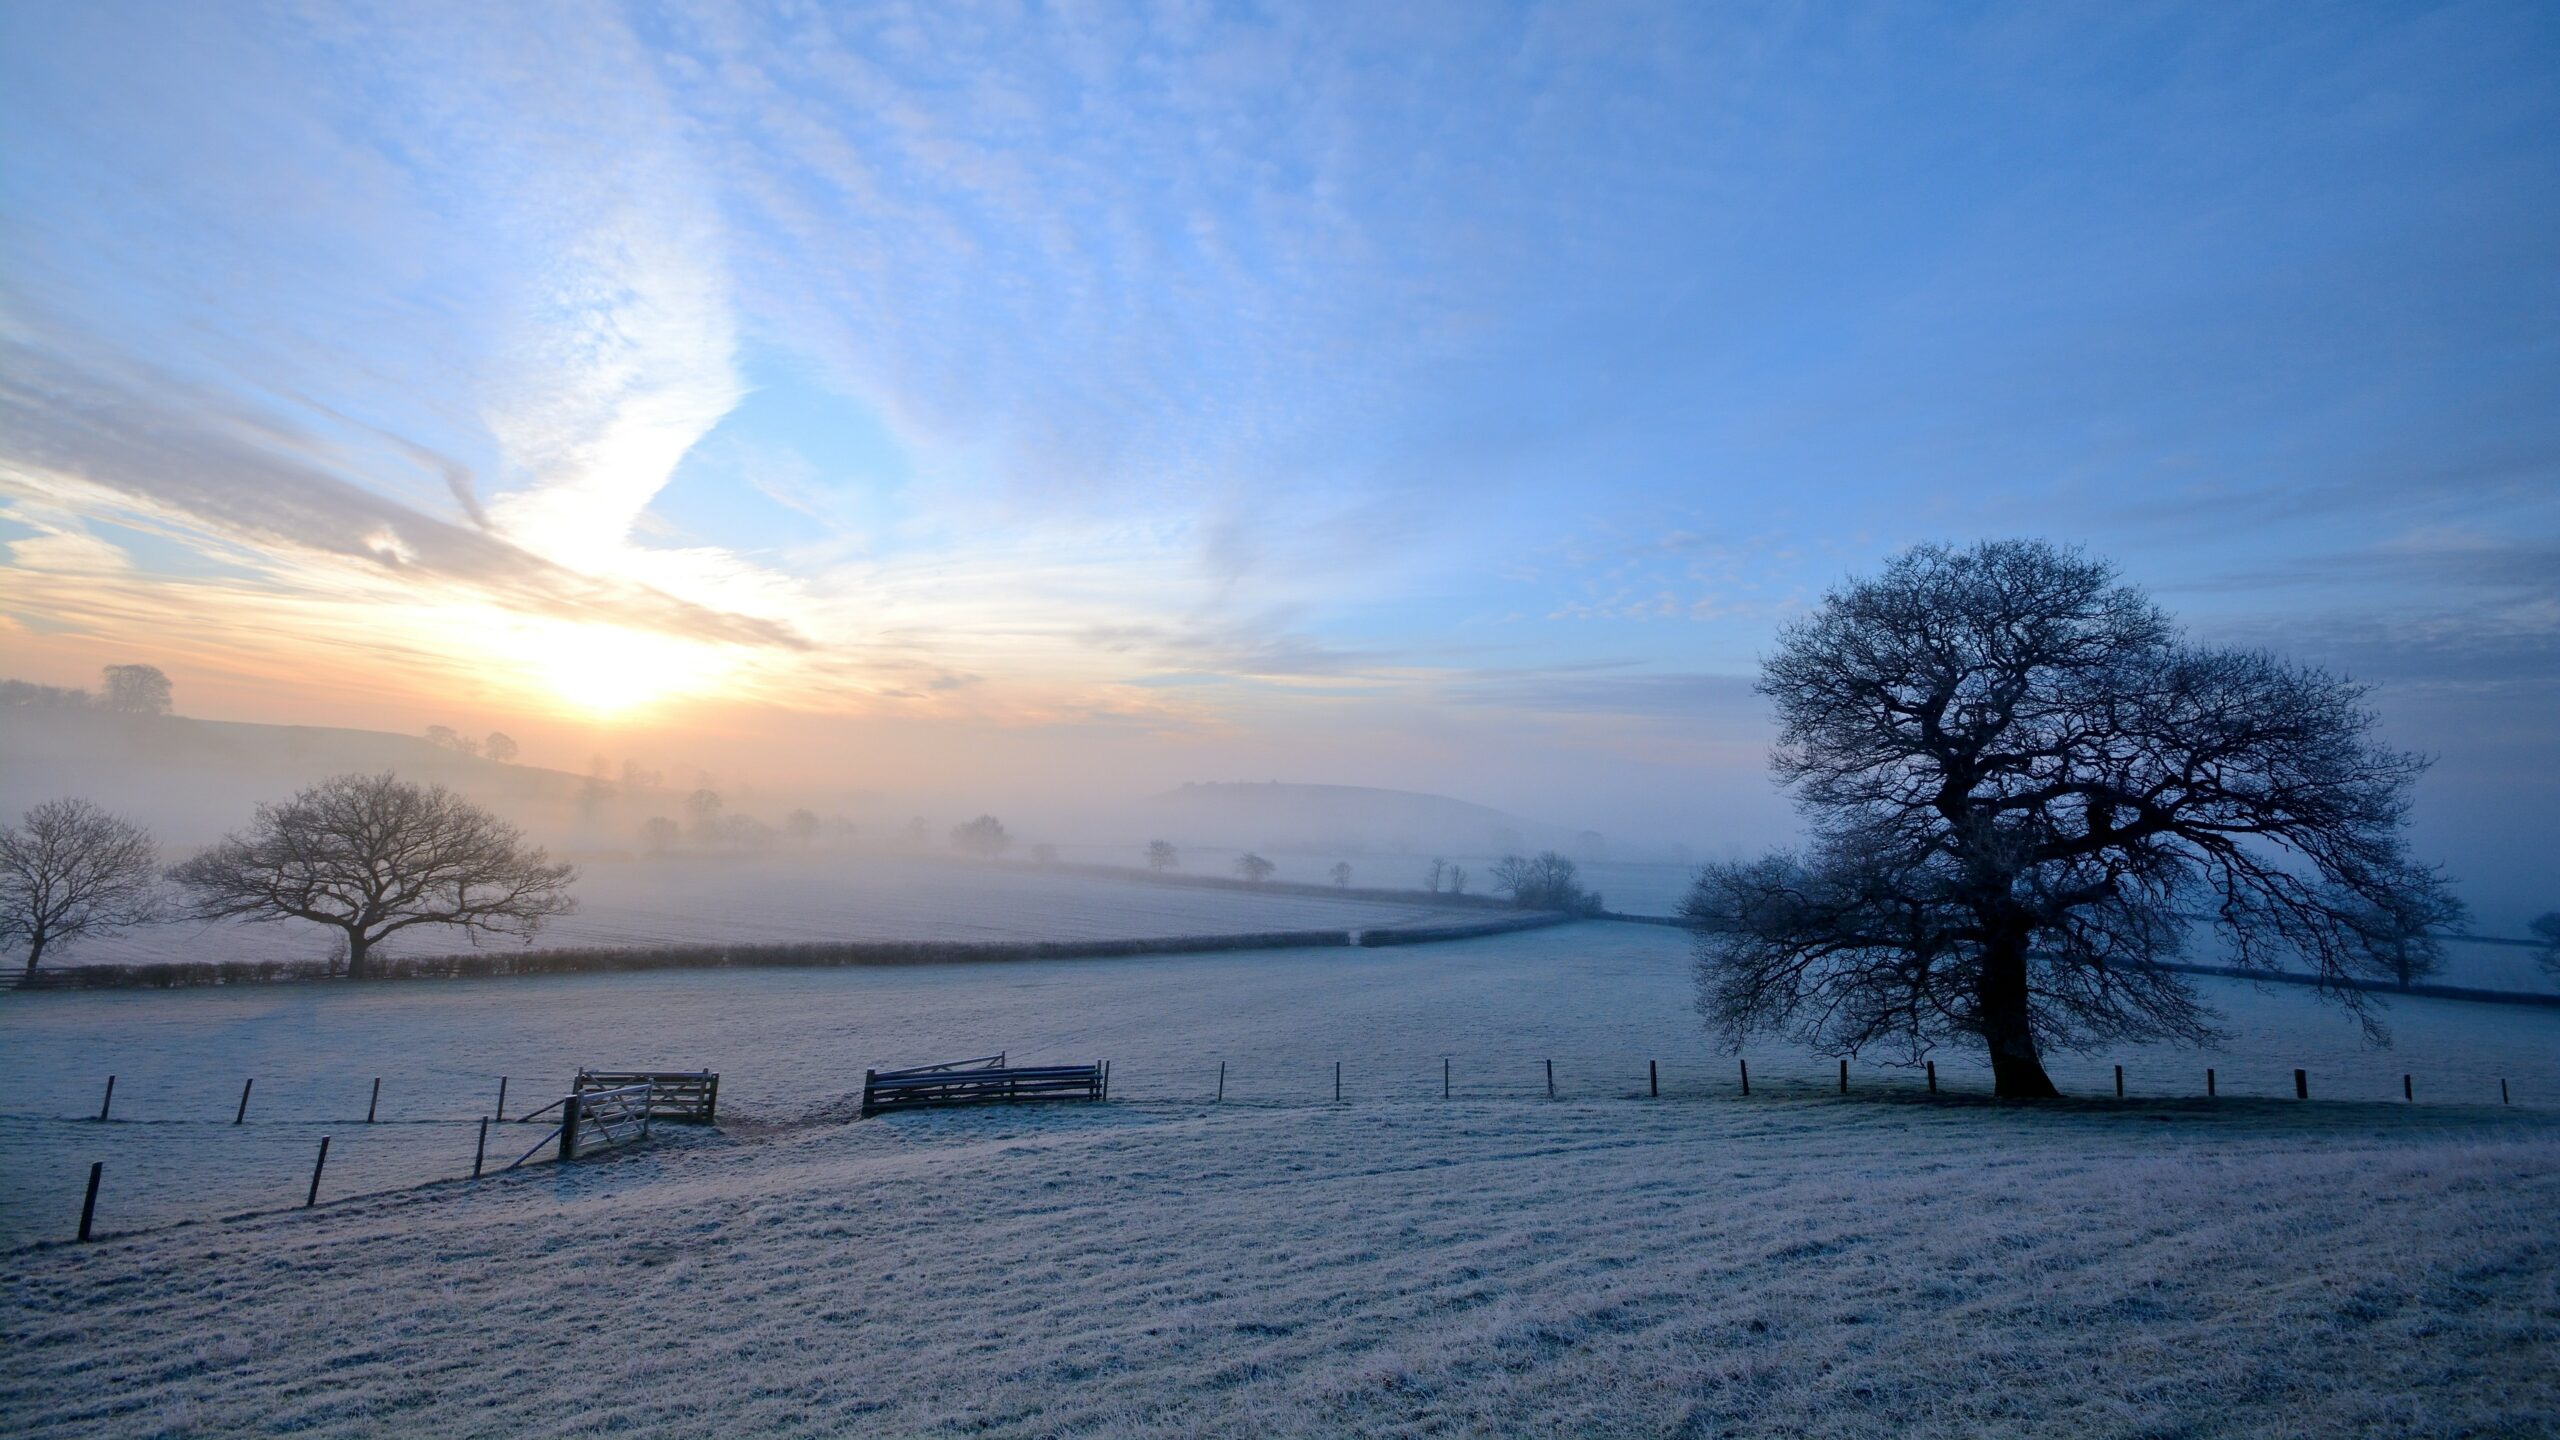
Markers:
786,899
1496,1262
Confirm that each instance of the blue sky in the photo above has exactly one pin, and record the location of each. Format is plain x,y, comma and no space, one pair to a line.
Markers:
1457,395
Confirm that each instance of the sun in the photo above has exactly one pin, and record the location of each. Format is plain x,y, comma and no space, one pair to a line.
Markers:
607,671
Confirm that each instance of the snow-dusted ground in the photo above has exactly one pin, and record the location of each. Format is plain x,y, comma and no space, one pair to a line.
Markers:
1600,1000
788,898
1800,1266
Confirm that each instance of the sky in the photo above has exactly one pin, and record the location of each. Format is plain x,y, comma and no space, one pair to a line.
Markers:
967,399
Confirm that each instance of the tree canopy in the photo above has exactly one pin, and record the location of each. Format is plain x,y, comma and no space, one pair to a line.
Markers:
69,870
2025,789
373,855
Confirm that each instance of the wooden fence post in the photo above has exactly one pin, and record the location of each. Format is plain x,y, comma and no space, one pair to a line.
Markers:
1653,1077
316,1166
2408,1089
1844,1074
109,1103
2502,1089
243,1113
569,1128
1222,1082
1746,1076
2301,1085
2119,1082
1933,1076
502,1100
1551,1079
374,1104
89,1203
480,1151
1337,1082
1444,1077
2208,1082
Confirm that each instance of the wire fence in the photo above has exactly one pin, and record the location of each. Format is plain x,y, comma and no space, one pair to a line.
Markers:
172,1152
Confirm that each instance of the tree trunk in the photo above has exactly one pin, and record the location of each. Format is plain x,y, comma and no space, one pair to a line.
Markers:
356,943
35,952
2017,1072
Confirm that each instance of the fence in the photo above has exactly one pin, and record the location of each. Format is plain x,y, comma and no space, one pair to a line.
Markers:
201,1150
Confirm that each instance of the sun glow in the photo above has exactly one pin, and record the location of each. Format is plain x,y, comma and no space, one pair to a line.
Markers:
606,671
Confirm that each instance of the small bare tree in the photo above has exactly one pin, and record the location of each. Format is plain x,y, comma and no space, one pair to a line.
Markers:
1160,856
1457,879
374,855
137,689
802,826
1549,881
69,870
1254,868
1341,872
2024,787
1436,876
660,834
983,837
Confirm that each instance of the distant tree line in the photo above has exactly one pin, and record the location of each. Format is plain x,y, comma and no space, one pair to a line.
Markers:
125,690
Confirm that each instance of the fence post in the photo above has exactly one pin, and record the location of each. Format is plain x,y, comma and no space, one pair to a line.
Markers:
2301,1085
1551,1079
1444,1077
1653,1077
1746,1077
89,1203
2208,1082
2119,1082
502,1100
1337,1082
243,1113
374,1104
1844,1074
2502,1089
480,1151
1222,1082
2408,1090
316,1166
109,1103
569,1128
1106,1079
1933,1076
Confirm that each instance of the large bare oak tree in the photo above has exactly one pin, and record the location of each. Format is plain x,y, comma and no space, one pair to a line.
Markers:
70,869
374,855
2025,789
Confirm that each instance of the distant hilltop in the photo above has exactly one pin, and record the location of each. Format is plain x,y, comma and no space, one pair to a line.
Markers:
1352,819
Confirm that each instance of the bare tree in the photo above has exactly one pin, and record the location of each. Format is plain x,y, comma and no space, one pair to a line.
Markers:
500,746
983,837
69,870
1457,879
2023,787
801,826
137,689
445,737
374,855
1341,872
1436,876
1254,868
659,833
702,817
1160,856
1550,881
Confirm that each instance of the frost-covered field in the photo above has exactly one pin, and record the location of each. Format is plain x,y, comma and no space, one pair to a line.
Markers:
784,899
1600,1000
1801,1266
